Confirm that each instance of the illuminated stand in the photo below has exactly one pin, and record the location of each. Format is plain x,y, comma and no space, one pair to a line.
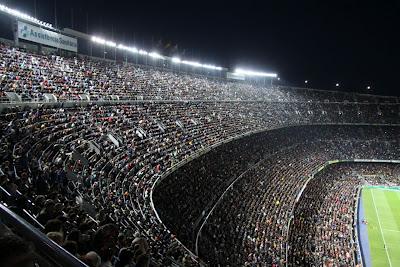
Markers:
111,50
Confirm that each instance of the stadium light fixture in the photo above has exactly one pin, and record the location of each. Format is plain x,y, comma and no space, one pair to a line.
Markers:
279,78
306,81
195,64
95,39
176,60
255,73
192,63
368,87
123,47
126,48
155,55
111,44
98,40
207,66
337,84
105,42
19,14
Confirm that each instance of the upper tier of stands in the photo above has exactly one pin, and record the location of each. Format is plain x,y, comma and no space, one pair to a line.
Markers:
32,75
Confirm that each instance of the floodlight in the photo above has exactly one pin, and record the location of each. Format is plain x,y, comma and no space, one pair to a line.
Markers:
24,16
110,43
337,84
133,49
123,47
211,67
155,55
255,73
98,40
192,63
176,60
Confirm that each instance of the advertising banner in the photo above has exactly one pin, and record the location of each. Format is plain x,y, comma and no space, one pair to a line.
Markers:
42,36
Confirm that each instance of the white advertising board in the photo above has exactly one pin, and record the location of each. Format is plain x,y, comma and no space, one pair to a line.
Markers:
42,36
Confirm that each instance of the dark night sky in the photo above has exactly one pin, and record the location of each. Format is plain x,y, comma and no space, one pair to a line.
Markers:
351,42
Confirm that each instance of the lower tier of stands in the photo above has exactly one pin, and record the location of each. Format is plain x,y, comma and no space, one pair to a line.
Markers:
92,169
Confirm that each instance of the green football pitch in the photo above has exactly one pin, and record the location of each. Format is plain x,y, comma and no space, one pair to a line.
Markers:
382,212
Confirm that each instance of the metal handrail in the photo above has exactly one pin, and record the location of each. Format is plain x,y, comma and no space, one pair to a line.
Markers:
43,244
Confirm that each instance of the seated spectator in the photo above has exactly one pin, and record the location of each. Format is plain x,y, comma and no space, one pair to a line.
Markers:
57,237
92,259
54,225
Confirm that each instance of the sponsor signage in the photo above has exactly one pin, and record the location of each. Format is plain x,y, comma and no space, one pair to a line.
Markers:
42,36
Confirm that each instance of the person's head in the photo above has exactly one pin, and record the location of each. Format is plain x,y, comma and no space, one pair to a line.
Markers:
58,207
104,240
121,239
49,205
140,243
39,200
56,237
53,226
92,259
14,251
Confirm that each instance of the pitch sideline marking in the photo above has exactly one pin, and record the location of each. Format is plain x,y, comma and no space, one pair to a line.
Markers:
390,230
380,228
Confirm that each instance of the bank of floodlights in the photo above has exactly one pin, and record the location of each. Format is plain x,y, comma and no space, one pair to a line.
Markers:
255,73
134,50
20,15
196,64
153,55
176,60
191,63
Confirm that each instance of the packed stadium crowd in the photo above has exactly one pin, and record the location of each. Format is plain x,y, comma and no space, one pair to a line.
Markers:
323,224
32,75
84,175
248,230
